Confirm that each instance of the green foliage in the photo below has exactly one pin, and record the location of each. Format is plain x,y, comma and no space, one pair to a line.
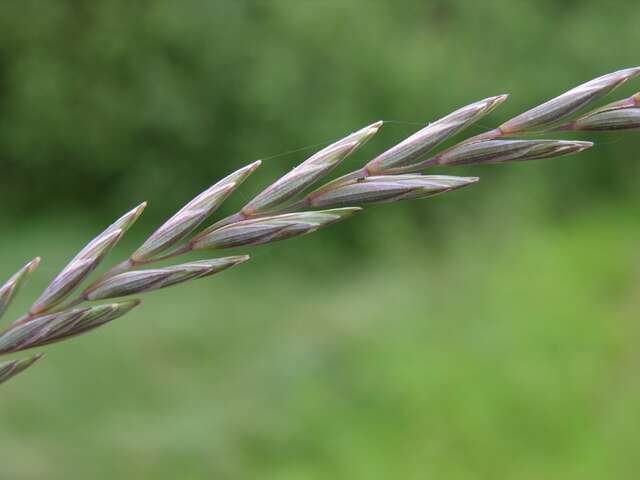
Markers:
114,100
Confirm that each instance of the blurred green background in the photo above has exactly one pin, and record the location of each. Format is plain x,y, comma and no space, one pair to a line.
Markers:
489,333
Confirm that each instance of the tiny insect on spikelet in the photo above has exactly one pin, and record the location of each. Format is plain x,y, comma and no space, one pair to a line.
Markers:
292,207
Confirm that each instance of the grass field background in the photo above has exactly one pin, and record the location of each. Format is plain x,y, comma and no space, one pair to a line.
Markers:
494,356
